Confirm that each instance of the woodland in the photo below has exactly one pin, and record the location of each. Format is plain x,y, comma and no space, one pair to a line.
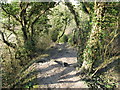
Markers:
32,32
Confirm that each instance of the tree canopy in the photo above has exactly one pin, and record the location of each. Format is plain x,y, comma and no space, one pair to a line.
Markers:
29,29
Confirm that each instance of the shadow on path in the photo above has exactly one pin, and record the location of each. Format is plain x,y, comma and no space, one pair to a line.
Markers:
51,73
60,50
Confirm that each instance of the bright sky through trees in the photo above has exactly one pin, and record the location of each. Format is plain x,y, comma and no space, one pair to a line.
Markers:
74,2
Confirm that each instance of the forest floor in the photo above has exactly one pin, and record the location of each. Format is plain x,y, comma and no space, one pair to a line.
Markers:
53,74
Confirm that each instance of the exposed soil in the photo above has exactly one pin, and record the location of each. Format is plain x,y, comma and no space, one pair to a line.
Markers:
56,75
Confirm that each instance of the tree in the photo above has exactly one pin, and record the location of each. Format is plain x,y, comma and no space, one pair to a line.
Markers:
80,35
20,21
91,46
100,48
92,53
26,14
60,19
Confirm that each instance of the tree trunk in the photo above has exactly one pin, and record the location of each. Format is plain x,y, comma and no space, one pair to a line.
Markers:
63,31
80,45
92,51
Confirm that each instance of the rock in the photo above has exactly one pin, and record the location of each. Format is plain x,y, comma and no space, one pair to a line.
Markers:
42,60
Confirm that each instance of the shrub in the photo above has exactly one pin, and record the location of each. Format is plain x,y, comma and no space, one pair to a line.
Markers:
54,35
30,45
43,42
10,67
65,38
70,39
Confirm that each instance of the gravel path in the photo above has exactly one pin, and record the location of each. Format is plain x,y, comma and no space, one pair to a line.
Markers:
56,75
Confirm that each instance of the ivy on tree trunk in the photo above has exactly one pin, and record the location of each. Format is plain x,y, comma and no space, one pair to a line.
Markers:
92,51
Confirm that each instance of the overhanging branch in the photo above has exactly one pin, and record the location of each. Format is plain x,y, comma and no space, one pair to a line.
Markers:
17,19
37,18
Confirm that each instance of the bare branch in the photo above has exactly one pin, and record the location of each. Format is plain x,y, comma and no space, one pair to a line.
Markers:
6,42
104,64
23,13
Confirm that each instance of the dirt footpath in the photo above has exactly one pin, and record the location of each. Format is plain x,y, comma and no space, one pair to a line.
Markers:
62,73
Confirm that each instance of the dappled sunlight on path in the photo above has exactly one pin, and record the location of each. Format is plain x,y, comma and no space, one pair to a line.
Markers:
54,75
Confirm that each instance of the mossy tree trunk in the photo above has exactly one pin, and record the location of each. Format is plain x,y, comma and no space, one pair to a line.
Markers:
92,51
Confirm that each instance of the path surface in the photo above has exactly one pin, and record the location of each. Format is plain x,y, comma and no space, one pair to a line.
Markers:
55,75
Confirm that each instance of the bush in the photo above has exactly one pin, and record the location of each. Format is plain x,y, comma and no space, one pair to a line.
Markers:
25,52
10,67
43,42
54,35
30,45
65,38
70,39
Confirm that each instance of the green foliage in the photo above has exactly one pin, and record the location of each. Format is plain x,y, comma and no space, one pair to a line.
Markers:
70,39
99,47
64,39
54,35
29,85
26,49
60,20
30,45
100,82
43,42
96,47
11,8
10,67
